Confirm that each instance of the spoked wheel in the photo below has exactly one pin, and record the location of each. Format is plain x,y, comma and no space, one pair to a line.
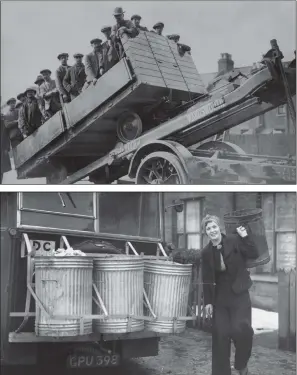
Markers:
161,168
129,126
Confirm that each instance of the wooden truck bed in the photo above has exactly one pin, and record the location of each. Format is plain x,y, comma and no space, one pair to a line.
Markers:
86,127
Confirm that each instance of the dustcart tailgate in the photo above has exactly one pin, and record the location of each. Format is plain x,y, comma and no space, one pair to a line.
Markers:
89,100
30,337
30,146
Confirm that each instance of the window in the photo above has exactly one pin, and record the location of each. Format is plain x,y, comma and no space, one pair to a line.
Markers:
112,214
279,216
133,214
281,110
189,225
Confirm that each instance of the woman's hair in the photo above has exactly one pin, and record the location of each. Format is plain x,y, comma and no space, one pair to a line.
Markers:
207,219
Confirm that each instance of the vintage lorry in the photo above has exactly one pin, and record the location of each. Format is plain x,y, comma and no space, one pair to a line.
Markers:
147,116
28,219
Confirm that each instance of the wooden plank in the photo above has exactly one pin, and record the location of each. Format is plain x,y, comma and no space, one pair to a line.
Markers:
176,85
145,65
157,39
148,72
292,330
140,44
283,309
188,69
95,96
152,80
49,131
135,54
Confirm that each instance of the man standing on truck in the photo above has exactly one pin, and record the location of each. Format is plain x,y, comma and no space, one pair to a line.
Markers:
59,77
109,52
122,26
94,64
30,117
75,77
136,21
174,37
11,123
50,94
158,28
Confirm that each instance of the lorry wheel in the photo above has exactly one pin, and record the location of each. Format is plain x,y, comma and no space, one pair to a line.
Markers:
129,126
161,168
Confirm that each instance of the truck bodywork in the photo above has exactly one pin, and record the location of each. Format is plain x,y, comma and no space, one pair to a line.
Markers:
45,221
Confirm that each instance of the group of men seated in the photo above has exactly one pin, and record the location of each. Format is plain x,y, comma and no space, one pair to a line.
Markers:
37,104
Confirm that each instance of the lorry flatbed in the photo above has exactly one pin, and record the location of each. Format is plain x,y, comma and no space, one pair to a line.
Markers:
89,139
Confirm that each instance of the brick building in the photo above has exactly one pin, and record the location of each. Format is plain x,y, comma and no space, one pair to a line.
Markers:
276,121
279,215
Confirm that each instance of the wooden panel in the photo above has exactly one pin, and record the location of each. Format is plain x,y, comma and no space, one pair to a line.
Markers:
139,44
283,309
109,84
145,65
286,250
152,80
285,212
136,54
157,39
293,307
148,72
49,131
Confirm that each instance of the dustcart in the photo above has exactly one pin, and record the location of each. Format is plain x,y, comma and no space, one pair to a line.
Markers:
151,118
42,221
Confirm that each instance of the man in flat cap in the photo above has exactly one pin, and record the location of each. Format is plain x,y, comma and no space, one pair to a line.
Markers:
59,76
158,28
94,64
11,123
75,77
21,97
30,117
136,21
109,52
174,37
122,26
50,94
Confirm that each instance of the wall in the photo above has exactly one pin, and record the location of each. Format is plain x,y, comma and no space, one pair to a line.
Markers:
213,203
264,144
279,212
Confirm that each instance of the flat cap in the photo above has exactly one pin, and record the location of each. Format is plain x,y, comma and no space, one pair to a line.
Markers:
45,71
78,55
19,104
173,37
31,89
39,79
135,16
105,28
158,24
118,11
11,100
21,95
63,54
96,40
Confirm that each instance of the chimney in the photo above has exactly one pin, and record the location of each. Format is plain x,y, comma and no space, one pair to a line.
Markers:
225,64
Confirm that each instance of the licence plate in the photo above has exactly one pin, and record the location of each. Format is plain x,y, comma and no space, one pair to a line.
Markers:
92,360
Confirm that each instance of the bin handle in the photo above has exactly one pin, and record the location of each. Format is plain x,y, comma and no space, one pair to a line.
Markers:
132,247
148,304
64,239
101,303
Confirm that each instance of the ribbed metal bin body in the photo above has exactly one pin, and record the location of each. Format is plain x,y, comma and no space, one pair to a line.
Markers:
253,221
119,279
64,286
167,285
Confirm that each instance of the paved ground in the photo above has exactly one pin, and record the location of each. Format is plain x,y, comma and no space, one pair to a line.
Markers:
190,354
